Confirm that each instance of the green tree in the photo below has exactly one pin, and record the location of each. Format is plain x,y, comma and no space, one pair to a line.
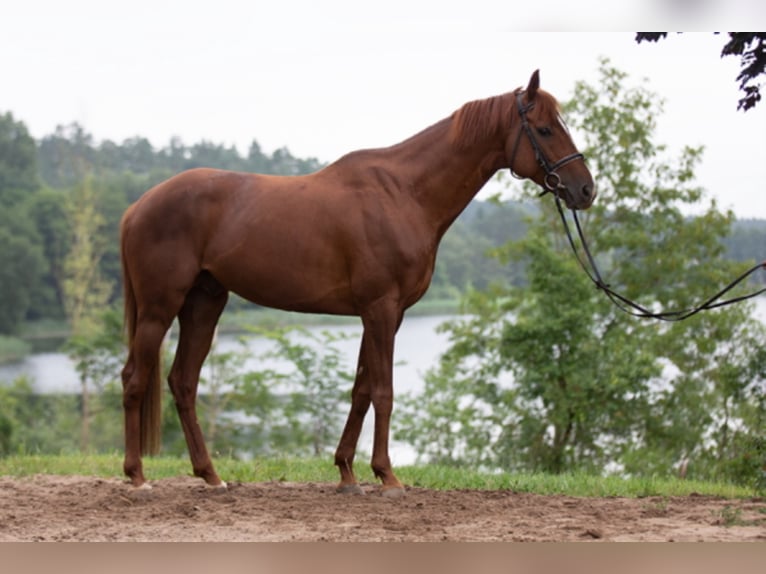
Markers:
21,267
47,210
99,354
18,166
550,376
65,155
21,263
86,293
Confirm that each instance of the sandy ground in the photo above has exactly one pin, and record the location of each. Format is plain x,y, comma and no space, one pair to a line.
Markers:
78,508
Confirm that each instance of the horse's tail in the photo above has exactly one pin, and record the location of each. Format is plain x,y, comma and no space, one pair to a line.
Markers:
151,406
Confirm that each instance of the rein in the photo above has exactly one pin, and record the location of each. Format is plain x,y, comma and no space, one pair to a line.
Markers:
631,307
553,185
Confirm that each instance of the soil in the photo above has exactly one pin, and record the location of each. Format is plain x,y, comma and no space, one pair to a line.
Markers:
79,508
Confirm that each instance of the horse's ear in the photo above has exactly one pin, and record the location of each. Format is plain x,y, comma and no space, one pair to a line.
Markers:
534,85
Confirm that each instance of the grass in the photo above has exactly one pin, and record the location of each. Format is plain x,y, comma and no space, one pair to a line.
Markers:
322,470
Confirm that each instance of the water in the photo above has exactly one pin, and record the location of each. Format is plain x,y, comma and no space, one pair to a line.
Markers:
417,349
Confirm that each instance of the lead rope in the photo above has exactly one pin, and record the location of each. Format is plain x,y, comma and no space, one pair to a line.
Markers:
633,308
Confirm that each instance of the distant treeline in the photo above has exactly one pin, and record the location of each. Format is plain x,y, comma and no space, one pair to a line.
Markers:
64,155
40,182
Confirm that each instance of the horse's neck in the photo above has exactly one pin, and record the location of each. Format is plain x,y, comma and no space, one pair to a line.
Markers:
443,178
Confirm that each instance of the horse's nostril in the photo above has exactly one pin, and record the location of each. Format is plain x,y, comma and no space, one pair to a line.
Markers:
587,190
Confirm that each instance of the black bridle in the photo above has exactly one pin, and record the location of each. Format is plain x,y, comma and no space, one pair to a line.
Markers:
552,180
552,183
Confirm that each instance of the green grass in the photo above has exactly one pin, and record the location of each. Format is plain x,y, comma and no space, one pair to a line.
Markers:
322,470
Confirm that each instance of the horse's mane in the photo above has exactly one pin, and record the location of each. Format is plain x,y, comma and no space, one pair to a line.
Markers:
482,119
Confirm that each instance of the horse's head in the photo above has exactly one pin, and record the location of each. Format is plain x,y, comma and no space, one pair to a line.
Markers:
540,148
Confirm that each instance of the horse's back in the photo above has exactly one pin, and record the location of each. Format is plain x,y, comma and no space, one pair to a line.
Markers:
258,235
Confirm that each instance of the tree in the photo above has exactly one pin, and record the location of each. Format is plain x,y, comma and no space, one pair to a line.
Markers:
99,354
18,167
750,47
86,294
65,155
551,376
21,261
21,266
47,211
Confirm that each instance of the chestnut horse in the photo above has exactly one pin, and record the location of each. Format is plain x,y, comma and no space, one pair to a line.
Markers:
358,237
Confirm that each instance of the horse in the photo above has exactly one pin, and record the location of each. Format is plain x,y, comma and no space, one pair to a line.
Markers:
358,237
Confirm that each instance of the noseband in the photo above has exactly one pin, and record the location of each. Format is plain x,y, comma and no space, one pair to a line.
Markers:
552,180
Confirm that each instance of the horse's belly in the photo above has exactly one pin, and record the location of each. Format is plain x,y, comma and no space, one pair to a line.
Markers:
289,284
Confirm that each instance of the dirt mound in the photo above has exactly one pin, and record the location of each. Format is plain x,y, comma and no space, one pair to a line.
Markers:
75,508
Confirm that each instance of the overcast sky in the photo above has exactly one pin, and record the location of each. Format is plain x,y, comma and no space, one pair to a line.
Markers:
326,77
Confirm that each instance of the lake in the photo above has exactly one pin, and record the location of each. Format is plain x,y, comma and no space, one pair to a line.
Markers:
418,347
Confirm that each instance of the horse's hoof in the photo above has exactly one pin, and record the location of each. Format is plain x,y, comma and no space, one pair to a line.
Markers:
349,489
392,492
220,487
140,492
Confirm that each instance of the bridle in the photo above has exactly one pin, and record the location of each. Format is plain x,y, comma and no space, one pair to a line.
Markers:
631,307
552,184
552,180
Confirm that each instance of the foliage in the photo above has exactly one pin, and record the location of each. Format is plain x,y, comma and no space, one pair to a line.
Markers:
750,47
84,290
46,180
542,374
295,401
548,376
99,354
315,387
34,422
18,168
21,266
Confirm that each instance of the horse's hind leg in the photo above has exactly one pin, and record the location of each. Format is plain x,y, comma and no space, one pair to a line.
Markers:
197,320
141,367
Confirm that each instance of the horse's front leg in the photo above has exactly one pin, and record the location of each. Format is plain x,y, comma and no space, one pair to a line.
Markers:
380,326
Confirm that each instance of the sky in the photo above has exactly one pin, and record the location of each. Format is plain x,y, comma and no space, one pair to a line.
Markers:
324,78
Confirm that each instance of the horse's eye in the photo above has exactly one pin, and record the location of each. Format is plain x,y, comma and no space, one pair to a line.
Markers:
545,131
